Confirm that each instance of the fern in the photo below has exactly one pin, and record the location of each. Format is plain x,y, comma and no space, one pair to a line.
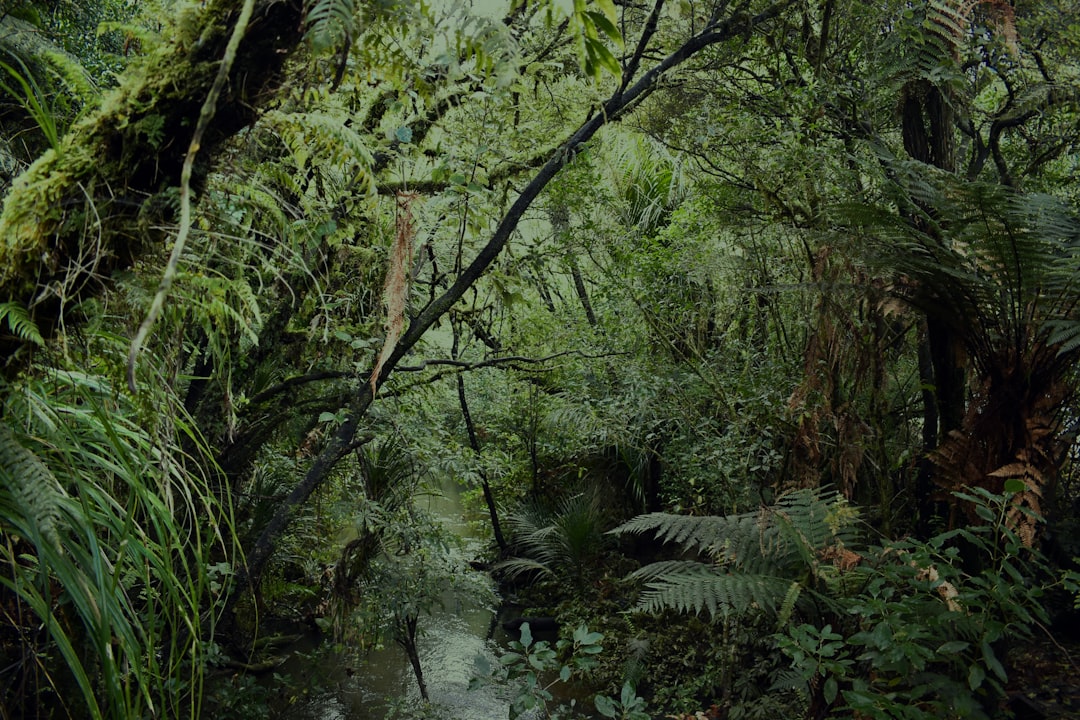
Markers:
20,323
36,496
331,24
320,141
687,586
560,543
761,560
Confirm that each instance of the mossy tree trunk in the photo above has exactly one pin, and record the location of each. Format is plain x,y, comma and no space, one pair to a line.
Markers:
80,214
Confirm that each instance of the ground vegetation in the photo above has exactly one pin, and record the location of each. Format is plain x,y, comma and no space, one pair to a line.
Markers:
748,331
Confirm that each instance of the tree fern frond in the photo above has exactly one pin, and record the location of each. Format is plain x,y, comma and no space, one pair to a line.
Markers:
760,559
331,24
36,496
703,588
663,568
693,532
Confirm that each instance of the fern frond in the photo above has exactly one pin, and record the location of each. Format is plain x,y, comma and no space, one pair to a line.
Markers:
322,141
36,496
693,532
331,23
20,323
761,559
514,568
787,607
697,588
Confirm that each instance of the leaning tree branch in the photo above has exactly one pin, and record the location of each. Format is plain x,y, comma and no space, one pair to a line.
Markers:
617,105
298,381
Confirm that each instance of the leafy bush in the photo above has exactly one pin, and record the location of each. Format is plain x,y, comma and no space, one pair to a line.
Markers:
923,636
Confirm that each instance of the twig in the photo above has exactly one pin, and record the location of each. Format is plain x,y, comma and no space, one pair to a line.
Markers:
205,115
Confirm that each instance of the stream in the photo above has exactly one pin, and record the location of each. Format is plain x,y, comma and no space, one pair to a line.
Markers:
380,683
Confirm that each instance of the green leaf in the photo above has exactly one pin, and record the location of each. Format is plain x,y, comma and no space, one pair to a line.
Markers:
526,635
976,676
403,134
564,674
605,706
1015,486
992,662
830,690
953,646
600,54
608,8
607,27
582,636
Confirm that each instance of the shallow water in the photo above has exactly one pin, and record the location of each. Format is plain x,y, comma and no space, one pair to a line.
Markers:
347,685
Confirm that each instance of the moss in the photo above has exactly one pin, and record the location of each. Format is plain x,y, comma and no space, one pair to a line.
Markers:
130,149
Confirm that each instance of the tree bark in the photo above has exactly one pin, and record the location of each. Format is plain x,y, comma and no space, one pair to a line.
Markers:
928,134
406,637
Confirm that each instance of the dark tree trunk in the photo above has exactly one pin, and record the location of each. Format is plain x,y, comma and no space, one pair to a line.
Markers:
406,637
474,443
928,134
580,289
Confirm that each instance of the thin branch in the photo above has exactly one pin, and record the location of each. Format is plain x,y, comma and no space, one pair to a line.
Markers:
297,381
209,107
496,362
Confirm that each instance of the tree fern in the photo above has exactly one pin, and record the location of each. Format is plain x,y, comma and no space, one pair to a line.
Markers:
760,560
998,271
689,586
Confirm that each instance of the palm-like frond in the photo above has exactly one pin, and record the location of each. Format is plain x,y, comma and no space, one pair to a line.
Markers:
997,270
559,542
755,557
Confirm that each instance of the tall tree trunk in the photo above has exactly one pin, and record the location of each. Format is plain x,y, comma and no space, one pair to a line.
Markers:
927,127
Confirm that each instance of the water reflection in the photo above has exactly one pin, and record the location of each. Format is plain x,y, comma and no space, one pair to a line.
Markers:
347,686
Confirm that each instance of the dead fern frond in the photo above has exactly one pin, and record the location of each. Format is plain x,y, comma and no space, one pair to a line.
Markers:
398,281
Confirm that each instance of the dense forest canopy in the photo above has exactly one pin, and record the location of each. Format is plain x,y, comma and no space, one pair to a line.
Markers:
791,284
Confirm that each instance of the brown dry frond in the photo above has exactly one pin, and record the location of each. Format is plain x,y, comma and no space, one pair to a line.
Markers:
398,281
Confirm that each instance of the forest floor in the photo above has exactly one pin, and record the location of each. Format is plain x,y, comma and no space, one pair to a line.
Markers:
1044,682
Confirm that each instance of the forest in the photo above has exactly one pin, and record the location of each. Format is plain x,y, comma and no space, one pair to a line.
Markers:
721,354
